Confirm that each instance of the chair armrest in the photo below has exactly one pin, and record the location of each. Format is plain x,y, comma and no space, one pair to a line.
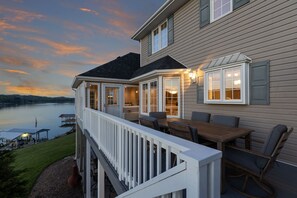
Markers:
250,152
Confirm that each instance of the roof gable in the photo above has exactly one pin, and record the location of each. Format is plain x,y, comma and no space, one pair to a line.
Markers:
122,67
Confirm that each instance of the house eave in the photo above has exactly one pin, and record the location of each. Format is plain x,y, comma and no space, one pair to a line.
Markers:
78,79
168,8
158,72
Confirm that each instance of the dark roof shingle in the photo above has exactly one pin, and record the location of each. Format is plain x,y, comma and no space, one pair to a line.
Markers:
122,67
163,63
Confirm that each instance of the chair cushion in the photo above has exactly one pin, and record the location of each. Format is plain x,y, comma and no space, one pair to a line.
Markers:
270,143
241,158
158,115
200,116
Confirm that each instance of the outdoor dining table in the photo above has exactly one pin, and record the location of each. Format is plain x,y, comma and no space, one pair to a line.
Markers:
219,134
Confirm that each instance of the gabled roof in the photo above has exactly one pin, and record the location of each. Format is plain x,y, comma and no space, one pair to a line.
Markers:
226,60
122,67
161,64
167,9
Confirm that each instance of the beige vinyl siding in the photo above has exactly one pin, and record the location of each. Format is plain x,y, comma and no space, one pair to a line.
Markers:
262,30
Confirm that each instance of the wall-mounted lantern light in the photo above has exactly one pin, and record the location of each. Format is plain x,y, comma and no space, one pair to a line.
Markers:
193,76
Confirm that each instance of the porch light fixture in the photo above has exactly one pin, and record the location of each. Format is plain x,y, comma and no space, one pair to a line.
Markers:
193,76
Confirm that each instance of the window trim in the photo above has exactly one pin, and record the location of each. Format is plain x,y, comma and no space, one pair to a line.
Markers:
149,98
178,98
212,11
244,77
124,102
160,37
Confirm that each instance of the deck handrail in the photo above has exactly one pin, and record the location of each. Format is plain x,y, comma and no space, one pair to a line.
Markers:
143,158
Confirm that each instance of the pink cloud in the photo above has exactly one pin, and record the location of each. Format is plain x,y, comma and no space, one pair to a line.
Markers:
14,71
4,83
23,61
7,26
89,10
61,48
118,13
17,15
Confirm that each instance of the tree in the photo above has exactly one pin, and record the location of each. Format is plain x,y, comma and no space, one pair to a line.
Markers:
11,183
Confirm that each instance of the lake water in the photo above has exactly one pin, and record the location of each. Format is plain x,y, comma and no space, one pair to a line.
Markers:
47,115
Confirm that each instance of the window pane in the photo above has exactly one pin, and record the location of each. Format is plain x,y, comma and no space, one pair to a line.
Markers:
144,98
164,35
153,96
131,96
94,97
220,8
156,40
214,86
171,87
232,84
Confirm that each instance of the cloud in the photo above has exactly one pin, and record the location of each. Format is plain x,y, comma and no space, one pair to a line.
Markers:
24,61
14,71
61,48
4,25
4,83
38,91
89,10
124,27
68,73
17,15
118,13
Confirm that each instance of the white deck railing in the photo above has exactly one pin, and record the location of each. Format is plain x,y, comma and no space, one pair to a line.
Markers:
143,159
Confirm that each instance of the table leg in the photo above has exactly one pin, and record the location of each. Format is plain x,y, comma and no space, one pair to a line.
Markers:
247,141
221,147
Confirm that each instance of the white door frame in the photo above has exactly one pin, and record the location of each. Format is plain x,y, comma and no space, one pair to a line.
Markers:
120,102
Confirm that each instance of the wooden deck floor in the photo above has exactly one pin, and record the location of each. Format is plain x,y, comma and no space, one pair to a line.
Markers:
283,178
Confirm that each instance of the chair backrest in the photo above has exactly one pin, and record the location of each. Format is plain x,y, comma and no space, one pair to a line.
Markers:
149,122
184,131
200,116
272,147
158,115
231,121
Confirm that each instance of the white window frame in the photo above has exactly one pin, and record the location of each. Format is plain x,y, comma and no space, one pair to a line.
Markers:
212,11
124,95
178,99
160,37
149,98
244,78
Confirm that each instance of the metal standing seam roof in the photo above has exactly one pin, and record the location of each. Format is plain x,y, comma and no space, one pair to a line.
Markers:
226,60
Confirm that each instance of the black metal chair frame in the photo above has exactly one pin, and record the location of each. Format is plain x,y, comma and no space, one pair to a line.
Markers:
258,178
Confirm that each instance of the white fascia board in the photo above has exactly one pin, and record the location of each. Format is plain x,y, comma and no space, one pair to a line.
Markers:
158,72
78,79
152,18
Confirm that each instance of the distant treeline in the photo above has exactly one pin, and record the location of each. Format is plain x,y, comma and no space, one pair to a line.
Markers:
6,100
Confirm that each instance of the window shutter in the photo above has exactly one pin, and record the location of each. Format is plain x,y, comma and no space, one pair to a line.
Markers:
149,40
204,12
170,30
259,83
239,3
200,90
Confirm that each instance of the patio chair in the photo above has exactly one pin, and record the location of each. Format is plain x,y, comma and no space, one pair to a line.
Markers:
254,165
200,116
231,121
184,131
158,115
150,122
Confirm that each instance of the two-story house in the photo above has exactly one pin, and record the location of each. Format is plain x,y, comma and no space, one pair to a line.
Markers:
228,57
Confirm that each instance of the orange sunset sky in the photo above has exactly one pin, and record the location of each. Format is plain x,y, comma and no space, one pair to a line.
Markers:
44,44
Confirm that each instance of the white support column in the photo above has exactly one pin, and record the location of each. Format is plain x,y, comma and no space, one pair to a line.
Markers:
88,170
160,93
101,183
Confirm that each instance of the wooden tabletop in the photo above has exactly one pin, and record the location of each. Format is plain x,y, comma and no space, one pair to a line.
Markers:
210,131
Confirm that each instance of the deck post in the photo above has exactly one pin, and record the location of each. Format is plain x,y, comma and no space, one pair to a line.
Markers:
101,182
88,169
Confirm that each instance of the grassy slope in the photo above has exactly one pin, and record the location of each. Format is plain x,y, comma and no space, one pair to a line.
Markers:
37,157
